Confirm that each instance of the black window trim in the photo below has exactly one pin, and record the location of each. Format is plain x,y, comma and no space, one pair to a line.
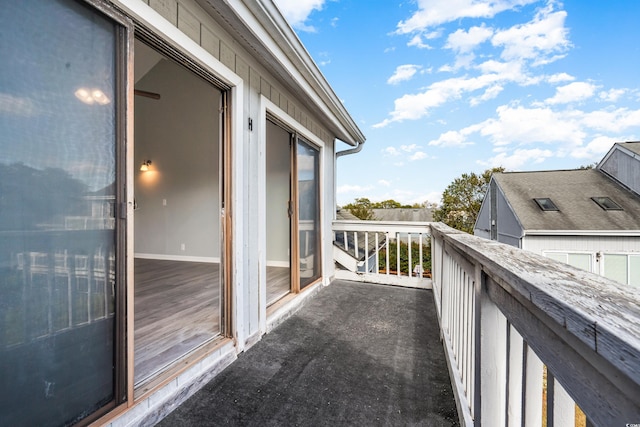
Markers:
542,201
599,201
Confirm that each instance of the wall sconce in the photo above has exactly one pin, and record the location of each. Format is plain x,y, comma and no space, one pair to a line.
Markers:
145,165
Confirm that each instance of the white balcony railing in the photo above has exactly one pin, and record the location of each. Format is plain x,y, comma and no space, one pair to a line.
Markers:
383,252
527,339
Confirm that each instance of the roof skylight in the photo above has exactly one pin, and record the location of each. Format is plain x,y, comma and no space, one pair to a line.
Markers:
607,204
546,204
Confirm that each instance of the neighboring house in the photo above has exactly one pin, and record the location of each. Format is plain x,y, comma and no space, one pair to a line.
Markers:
587,218
403,214
167,178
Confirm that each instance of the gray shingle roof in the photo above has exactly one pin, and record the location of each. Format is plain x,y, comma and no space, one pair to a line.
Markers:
403,214
571,191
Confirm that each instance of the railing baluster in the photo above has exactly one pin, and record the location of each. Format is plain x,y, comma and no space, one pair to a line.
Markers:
355,244
420,270
387,249
398,254
366,252
410,265
377,255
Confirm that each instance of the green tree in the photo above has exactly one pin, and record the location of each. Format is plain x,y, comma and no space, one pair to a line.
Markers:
387,204
361,208
461,200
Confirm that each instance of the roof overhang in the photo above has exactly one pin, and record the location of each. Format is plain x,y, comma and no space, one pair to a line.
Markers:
260,28
590,233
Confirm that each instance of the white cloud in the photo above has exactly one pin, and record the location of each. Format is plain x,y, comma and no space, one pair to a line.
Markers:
17,106
403,73
612,121
409,148
384,183
541,40
560,78
451,138
518,158
417,42
418,155
416,106
391,151
612,95
296,12
347,188
595,149
573,92
432,13
520,125
465,41
565,132
491,93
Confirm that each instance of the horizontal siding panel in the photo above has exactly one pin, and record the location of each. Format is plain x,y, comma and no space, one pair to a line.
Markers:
539,244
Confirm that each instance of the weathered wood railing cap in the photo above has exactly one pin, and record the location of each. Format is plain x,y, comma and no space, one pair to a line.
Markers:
602,314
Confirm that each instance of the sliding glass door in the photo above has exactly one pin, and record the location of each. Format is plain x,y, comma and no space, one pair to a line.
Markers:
308,189
60,98
293,212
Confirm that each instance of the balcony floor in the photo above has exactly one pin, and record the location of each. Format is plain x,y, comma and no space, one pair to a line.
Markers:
355,354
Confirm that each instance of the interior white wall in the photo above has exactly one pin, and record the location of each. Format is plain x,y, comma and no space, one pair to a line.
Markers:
278,172
177,211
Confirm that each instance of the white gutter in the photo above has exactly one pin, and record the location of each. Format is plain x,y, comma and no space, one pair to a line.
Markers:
354,150
608,233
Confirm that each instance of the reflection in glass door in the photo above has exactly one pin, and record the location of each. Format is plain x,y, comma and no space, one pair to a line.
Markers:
59,105
278,200
308,190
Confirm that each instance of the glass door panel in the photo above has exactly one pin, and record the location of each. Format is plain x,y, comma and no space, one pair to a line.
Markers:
278,196
57,211
308,159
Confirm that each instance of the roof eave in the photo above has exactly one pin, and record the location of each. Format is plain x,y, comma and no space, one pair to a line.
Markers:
262,30
612,233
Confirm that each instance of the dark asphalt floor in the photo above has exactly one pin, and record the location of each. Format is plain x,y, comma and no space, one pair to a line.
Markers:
355,355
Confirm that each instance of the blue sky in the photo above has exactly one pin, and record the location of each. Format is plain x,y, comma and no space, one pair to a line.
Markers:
444,87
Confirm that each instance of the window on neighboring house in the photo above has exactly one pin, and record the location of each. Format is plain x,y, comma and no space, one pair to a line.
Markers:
546,204
607,204
623,268
576,259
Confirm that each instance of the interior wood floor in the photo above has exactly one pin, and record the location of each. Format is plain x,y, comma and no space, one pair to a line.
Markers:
278,283
177,309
